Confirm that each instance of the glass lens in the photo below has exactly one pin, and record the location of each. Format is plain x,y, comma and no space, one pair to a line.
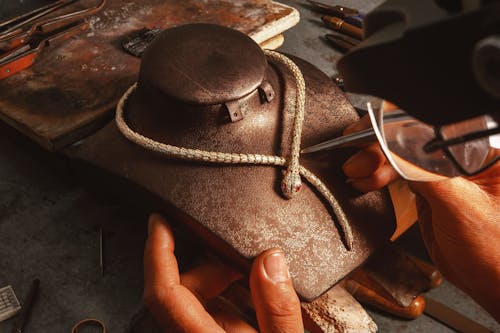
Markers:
405,140
402,139
475,154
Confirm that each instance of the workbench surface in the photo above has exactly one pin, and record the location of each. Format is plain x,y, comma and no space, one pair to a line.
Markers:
49,227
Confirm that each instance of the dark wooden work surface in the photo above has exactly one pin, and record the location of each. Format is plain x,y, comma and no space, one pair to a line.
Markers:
71,89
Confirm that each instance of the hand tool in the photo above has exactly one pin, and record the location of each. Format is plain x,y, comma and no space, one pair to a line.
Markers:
358,139
350,15
343,26
13,38
345,38
9,305
434,276
26,307
339,42
452,318
367,296
137,42
101,251
361,138
25,55
15,23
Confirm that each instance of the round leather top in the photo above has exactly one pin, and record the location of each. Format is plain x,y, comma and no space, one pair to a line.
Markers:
203,64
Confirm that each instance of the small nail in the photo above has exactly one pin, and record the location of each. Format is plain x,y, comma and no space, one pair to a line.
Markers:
276,268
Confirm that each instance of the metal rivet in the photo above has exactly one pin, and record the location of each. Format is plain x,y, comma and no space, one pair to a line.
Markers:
266,91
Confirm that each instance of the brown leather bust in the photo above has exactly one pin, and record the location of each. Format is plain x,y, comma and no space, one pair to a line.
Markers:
211,88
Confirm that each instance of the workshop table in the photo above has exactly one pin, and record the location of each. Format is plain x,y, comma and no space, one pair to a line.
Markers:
49,228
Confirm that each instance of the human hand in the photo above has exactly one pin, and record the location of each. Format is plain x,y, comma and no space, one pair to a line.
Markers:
176,300
459,219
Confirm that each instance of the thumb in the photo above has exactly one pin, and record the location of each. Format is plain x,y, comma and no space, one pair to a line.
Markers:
276,303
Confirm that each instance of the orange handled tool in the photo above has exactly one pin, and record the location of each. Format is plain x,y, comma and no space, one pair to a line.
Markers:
20,31
24,56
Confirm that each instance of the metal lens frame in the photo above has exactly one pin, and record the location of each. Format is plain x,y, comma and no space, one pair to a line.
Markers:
476,135
417,173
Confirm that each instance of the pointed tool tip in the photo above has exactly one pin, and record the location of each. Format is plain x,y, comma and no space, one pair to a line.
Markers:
305,151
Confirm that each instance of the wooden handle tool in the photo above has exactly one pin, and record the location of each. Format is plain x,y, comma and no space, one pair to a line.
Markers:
433,275
369,297
340,25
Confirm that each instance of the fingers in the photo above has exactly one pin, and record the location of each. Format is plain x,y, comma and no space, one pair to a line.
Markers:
377,180
276,304
357,126
209,279
368,169
364,163
228,316
172,304
388,106
159,260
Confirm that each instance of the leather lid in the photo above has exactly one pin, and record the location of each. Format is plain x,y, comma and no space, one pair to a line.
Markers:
203,64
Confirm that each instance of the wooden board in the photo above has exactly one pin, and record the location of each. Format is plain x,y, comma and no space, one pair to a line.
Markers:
72,89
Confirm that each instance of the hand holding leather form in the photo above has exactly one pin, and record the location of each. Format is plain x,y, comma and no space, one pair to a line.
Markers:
176,300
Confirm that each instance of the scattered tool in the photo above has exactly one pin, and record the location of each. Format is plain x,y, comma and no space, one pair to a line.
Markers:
137,42
24,37
350,15
340,25
18,32
341,42
433,275
101,250
368,296
24,56
9,305
14,24
26,308
452,318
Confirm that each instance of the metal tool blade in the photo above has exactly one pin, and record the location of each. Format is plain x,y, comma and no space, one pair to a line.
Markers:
452,318
357,139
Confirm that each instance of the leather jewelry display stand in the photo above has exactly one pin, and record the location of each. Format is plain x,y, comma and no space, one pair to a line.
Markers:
212,89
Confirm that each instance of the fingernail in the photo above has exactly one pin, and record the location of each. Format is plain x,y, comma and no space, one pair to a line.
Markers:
153,218
276,268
